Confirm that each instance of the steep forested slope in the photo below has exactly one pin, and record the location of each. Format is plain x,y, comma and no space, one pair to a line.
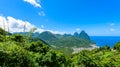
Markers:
67,40
17,51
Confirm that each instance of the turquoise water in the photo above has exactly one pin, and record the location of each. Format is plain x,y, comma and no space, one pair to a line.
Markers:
105,40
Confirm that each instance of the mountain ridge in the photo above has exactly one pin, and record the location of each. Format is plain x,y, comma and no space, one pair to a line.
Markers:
81,39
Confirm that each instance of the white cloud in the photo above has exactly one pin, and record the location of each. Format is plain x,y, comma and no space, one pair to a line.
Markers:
112,29
39,30
34,3
42,26
56,32
112,24
41,13
17,25
77,29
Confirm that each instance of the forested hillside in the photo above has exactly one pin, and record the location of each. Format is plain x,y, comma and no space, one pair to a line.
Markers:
66,40
17,50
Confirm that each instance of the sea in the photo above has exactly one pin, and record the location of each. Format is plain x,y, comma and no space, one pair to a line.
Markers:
105,40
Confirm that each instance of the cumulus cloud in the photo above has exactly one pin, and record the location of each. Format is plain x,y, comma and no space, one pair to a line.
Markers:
17,25
112,24
42,26
55,32
41,13
112,29
77,29
35,3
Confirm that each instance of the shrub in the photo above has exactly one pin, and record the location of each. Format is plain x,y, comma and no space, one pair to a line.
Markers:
117,46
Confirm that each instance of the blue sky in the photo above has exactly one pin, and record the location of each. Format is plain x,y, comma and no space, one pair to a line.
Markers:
96,17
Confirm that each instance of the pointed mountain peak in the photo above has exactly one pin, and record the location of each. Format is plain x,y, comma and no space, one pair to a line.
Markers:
84,35
82,31
76,34
47,32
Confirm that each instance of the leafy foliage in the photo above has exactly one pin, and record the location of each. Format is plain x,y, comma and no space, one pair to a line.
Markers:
99,57
38,47
3,34
38,54
17,52
117,46
13,55
18,38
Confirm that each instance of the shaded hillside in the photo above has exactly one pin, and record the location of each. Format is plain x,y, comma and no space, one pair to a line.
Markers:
67,40
34,36
84,35
48,36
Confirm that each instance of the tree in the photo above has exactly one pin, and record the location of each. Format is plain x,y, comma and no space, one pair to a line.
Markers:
39,47
117,46
18,38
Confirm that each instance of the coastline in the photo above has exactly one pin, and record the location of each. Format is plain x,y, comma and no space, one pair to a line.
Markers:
76,50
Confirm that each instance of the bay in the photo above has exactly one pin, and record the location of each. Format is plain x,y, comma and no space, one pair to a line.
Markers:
105,40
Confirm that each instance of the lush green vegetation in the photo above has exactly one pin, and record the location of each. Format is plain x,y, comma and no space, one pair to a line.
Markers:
22,51
66,40
64,43
19,51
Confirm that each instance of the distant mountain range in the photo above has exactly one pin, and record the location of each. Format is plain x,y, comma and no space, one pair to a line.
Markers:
67,40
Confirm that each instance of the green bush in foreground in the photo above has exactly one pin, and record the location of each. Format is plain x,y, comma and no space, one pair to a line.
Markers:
117,46
34,54
13,55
